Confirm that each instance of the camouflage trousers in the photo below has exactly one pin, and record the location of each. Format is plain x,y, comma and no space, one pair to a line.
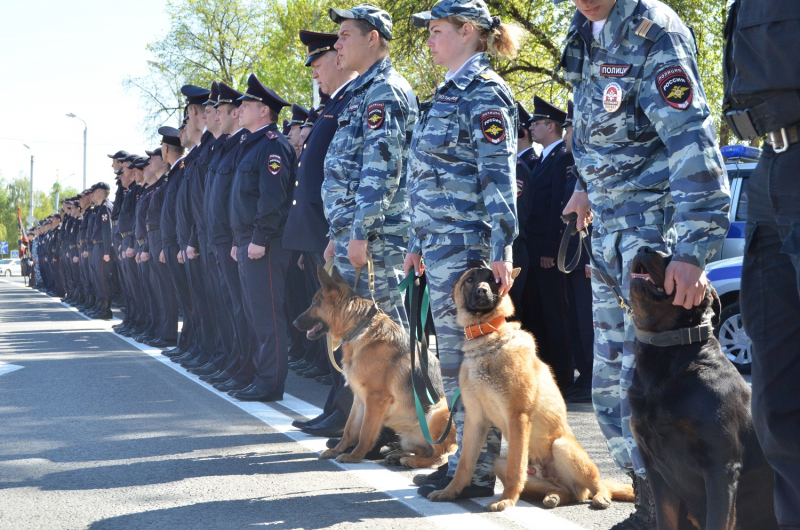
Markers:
444,264
387,258
614,337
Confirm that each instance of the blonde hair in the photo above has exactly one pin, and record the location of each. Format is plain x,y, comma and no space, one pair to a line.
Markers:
503,40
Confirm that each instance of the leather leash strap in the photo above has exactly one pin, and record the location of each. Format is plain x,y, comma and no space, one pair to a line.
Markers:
571,220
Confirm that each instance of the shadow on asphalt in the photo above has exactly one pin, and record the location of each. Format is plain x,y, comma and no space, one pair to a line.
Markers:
306,510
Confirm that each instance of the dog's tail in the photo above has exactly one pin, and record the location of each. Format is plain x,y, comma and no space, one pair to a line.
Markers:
619,491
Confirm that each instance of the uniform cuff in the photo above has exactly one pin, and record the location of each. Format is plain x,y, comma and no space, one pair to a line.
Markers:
260,238
503,253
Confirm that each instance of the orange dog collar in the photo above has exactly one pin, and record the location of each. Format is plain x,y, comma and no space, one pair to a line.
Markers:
484,328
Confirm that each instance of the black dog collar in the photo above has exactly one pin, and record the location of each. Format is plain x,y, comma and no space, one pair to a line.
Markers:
677,337
350,335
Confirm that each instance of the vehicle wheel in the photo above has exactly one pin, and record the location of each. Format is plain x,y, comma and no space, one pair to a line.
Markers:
733,339
7,273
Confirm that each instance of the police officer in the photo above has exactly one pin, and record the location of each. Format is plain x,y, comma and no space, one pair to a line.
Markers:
145,264
545,312
260,201
306,228
364,191
648,153
239,372
299,117
525,151
462,188
762,85
90,297
524,200
579,295
101,252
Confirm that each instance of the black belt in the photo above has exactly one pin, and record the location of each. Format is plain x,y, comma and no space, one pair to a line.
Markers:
124,234
781,139
153,228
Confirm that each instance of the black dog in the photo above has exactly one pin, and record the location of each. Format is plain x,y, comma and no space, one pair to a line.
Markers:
690,413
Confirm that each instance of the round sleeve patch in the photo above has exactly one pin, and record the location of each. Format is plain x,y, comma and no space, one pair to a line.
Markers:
493,126
675,88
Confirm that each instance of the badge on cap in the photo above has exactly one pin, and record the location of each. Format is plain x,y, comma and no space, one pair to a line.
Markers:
493,126
274,163
612,97
675,88
375,115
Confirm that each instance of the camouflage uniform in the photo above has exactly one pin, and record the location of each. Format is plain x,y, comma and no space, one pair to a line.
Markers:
364,191
645,142
462,186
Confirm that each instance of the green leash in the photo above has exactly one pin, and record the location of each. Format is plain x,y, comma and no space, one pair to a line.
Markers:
411,284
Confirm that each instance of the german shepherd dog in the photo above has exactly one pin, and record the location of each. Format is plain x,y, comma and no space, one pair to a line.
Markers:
377,367
503,383
690,415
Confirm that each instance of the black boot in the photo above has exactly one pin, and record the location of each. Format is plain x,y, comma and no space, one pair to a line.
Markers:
644,516
90,302
104,313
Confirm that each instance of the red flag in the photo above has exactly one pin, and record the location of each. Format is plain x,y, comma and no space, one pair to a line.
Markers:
21,239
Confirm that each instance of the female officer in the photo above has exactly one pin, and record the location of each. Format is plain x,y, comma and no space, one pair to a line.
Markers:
462,187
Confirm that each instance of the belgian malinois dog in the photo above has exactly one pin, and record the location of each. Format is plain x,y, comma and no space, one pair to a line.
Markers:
690,412
503,383
377,366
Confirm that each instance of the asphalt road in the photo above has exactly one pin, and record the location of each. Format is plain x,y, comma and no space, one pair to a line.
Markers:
98,432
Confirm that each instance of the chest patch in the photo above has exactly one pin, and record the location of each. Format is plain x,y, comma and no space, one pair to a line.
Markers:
353,107
274,164
614,70
444,98
493,126
376,112
675,88
612,97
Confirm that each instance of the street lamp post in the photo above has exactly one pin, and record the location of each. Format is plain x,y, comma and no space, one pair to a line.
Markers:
85,128
30,208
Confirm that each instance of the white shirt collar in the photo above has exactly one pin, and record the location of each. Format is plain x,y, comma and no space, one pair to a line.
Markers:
333,96
549,149
519,155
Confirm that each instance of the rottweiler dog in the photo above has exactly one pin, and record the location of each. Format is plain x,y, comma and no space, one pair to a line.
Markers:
503,383
690,413
377,366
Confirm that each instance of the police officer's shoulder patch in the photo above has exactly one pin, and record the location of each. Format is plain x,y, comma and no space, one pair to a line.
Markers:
274,163
675,87
493,126
376,112
272,134
520,187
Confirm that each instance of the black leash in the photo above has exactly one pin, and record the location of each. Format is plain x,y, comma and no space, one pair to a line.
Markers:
571,220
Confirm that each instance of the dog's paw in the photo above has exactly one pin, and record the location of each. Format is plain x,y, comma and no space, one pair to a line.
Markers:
328,454
551,501
347,458
442,495
601,501
407,462
500,505
393,459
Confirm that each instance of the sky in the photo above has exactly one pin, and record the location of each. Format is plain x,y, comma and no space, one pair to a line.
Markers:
71,56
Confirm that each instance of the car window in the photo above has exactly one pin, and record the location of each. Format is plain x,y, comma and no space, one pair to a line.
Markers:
5,261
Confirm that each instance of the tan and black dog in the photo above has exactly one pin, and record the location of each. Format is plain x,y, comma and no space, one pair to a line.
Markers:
503,383
690,413
377,366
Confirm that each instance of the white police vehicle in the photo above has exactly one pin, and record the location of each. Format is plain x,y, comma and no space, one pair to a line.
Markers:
10,267
725,271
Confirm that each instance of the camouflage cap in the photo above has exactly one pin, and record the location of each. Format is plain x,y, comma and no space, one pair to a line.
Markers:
372,14
471,9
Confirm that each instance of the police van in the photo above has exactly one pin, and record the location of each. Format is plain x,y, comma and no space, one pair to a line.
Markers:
725,271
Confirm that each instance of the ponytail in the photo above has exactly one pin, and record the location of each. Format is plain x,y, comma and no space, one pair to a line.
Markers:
502,39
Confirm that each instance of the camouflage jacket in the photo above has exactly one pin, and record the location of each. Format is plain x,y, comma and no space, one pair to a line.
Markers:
364,190
462,165
643,137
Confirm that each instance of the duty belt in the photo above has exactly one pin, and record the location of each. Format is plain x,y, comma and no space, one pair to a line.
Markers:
94,241
781,139
123,235
72,246
153,228
140,241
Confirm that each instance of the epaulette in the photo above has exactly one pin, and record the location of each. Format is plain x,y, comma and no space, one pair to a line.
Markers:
272,135
648,29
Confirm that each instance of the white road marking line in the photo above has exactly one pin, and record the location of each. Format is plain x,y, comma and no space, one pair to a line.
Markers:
382,479
6,368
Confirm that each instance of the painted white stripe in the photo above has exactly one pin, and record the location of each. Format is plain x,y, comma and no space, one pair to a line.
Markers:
444,515
6,368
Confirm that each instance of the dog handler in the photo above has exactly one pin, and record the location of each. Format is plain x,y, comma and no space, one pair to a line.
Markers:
462,188
645,143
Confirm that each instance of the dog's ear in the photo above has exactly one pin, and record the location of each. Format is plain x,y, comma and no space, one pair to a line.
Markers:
325,280
515,273
337,277
716,305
